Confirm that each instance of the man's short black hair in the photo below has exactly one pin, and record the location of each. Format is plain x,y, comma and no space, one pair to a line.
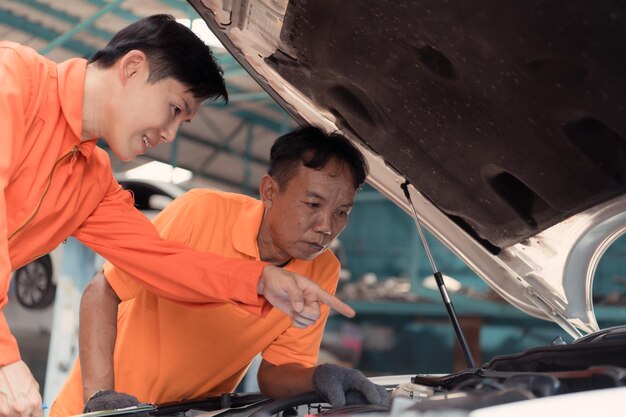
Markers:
173,50
313,148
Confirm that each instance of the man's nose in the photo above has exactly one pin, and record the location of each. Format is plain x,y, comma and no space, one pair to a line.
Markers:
324,222
168,133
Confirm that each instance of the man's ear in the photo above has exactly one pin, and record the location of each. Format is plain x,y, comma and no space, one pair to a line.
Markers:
133,64
268,188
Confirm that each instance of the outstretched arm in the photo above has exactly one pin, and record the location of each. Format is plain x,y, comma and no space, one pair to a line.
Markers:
171,269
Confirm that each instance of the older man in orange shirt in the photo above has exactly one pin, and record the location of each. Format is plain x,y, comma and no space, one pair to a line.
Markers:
55,182
169,352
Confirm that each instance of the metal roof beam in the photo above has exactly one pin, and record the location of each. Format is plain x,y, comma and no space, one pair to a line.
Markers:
119,12
225,142
10,19
255,118
222,148
67,36
66,17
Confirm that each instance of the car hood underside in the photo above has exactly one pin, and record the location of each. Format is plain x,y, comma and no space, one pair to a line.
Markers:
507,119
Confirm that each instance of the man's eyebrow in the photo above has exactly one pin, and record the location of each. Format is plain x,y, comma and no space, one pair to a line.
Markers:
314,195
318,196
346,206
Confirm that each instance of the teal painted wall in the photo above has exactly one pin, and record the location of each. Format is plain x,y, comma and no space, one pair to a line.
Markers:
382,238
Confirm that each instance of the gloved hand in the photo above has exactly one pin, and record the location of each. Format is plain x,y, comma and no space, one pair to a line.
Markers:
341,386
109,400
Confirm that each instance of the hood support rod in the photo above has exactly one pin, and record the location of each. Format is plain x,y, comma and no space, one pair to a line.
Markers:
441,285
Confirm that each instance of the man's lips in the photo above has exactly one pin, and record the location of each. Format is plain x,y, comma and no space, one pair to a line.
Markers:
316,246
147,141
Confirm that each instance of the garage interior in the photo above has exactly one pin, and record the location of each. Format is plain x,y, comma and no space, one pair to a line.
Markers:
386,279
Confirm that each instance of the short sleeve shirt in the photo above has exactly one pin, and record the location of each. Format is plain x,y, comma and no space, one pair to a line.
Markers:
168,351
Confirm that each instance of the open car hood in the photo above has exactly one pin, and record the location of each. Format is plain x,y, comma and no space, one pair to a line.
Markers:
507,119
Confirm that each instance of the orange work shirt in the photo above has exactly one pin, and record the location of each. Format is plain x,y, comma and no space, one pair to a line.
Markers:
53,185
167,351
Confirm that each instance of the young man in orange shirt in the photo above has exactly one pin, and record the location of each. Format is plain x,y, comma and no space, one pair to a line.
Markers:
160,351
55,182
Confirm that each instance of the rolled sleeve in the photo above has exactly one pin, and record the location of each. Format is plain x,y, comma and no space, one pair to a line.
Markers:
125,286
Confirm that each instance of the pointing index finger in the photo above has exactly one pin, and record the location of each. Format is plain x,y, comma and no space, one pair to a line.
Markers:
335,303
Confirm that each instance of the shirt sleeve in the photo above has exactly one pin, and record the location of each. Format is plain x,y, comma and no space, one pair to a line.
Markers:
126,238
302,346
177,222
13,78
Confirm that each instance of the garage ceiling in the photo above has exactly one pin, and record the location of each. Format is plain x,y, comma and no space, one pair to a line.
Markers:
225,146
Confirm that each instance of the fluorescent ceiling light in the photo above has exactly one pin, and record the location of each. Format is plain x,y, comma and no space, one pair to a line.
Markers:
199,27
160,172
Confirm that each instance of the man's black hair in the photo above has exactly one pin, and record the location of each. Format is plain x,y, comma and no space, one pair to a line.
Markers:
173,50
313,148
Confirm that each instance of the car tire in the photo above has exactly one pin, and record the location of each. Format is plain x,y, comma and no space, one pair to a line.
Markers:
34,288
